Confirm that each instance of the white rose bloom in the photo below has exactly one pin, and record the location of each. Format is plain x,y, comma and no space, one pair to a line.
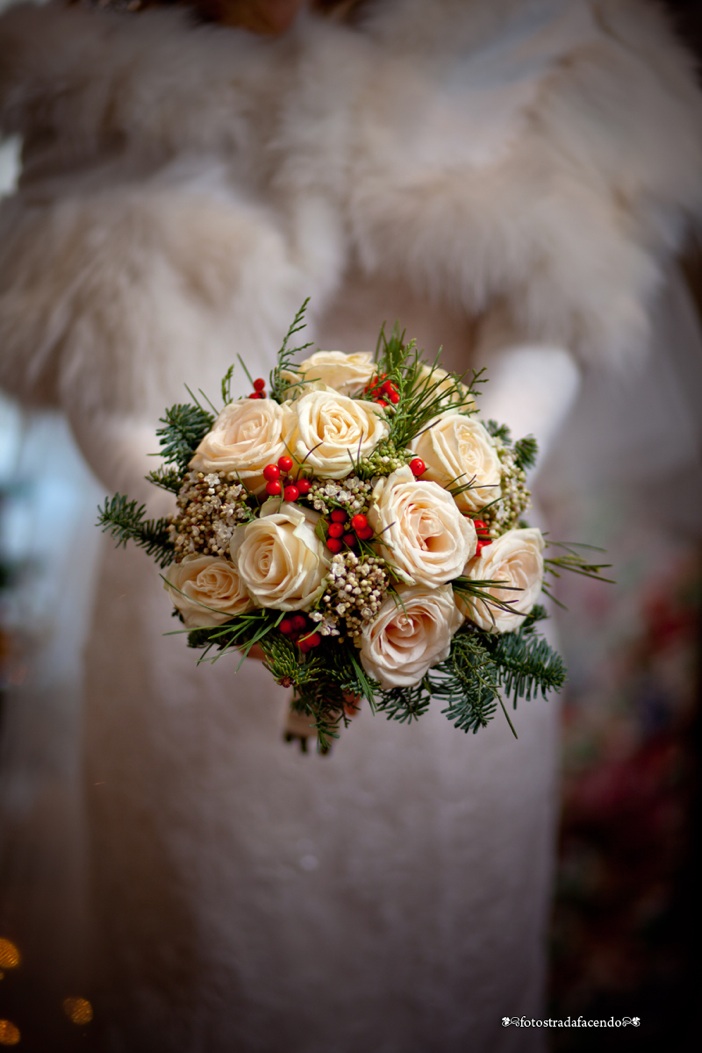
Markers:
330,429
410,634
206,590
458,450
280,559
247,435
515,558
347,374
426,536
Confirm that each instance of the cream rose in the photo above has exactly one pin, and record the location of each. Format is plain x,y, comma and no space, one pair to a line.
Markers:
247,435
347,374
330,429
458,450
206,590
280,559
515,558
411,633
426,536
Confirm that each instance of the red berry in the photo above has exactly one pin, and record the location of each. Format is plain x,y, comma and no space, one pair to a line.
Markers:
271,472
299,622
480,524
273,489
365,533
259,384
394,396
381,402
285,463
286,626
291,493
313,640
350,539
256,395
304,646
334,544
417,467
304,485
336,530
359,521
338,516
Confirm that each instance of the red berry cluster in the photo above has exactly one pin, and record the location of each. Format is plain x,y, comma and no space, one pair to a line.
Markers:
259,389
342,531
299,629
483,532
278,481
383,390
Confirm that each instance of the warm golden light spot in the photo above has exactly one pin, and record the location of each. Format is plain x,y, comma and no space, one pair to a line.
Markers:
9,954
78,1010
9,1033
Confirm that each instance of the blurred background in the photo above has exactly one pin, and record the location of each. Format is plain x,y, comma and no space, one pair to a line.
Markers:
627,475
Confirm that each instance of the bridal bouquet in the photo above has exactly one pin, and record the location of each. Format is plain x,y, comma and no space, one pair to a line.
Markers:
356,522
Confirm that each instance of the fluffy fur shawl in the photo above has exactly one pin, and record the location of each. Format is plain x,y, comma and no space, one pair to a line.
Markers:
185,188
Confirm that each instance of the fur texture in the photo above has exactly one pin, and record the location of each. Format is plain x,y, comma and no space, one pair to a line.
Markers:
188,187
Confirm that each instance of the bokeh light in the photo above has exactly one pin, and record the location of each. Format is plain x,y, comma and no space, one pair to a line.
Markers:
10,956
78,1010
9,1033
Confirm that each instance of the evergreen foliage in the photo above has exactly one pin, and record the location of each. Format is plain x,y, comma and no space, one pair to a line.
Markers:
184,427
526,451
126,521
482,670
277,381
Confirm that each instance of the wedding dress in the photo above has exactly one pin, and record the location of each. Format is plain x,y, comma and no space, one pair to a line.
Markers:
479,172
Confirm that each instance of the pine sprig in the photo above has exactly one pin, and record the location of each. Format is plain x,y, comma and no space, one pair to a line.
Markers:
526,664
466,683
126,521
278,383
167,478
403,704
424,393
575,561
526,451
184,427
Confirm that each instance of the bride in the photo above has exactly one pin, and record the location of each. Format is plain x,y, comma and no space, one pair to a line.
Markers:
508,180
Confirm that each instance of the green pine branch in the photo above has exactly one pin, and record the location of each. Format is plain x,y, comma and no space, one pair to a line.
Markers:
575,561
167,478
277,381
126,521
184,427
526,664
526,451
